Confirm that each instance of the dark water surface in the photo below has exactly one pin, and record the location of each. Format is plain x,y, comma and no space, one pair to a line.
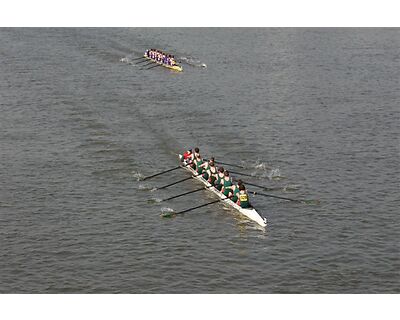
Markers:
79,121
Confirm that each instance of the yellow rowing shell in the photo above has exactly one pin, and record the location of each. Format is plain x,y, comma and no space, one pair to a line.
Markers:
175,67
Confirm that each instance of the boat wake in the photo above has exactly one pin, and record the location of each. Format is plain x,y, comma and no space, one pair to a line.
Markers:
193,62
129,59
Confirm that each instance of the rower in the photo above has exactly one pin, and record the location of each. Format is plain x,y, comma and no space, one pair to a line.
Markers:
212,173
219,178
243,197
196,152
235,191
227,185
187,156
197,162
194,155
209,169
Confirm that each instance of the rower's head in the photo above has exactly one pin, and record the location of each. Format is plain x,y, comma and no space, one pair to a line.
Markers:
197,150
221,170
239,182
226,173
242,187
211,162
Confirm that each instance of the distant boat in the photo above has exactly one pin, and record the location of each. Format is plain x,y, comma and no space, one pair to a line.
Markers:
174,66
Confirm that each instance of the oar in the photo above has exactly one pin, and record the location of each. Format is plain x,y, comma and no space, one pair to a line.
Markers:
160,173
241,174
235,165
227,164
182,194
147,64
284,198
232,165
142,61
154,66
255,185
173,183
139,58
170,214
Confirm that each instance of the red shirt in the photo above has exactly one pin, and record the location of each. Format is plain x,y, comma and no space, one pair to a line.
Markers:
187,155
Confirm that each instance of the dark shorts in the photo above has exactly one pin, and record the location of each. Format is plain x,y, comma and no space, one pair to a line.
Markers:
213,179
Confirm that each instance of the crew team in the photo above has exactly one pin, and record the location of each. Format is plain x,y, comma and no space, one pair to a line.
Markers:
218,177
161,57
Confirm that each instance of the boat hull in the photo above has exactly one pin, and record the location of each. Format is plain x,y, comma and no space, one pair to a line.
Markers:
175,67
251,214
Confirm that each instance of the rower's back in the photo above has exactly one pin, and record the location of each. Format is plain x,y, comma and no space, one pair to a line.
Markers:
243,197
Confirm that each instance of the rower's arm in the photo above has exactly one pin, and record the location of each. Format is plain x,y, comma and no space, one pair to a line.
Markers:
203,165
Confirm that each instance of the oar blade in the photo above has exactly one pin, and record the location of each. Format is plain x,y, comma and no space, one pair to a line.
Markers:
168,214
160,173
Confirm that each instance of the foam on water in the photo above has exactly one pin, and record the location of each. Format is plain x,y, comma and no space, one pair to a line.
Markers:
193,62
137,175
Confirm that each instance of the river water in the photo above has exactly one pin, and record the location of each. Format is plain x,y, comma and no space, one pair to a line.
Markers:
311,114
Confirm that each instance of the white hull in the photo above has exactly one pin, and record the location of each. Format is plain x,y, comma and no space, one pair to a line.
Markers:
252,213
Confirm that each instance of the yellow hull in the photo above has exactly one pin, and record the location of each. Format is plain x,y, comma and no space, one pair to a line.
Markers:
175,67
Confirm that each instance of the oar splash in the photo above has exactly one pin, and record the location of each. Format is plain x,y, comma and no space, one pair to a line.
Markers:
217,180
